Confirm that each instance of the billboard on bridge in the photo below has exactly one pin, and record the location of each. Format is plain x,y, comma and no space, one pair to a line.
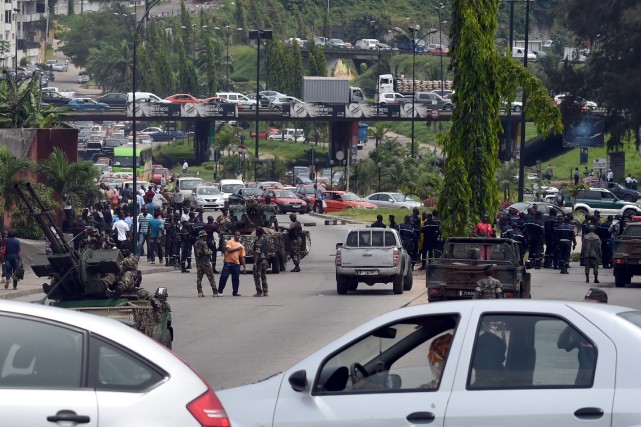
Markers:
356,111
585,131
216,110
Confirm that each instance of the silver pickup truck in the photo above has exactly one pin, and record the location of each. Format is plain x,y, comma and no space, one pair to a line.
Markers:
372,255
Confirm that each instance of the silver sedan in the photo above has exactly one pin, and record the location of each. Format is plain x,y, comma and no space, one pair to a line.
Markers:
393,200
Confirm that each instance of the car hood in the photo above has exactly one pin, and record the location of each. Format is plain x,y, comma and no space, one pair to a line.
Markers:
246,404
288,201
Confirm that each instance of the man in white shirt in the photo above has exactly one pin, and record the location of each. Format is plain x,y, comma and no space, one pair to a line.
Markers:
121,228
628,181
185,166
158,200
610,175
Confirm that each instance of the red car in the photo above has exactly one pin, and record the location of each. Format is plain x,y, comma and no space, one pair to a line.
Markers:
341,200
215,100
158,172
183,98
285,201
439,51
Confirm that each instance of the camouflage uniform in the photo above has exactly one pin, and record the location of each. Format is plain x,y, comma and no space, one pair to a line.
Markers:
295,231
591,254
203,264
276,246
488,288
224,223
260,268
129,276
268,216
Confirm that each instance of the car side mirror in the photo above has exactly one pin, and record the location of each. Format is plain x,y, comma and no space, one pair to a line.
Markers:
338,245
298,380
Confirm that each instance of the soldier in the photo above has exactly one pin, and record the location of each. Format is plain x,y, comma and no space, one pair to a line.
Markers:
203,264
223,221
260,263
535,229
129,280
379,222
603,231
393,225
488,287
172,241
268,214
210,228
186,243
550,239
591,253
295,232
567,242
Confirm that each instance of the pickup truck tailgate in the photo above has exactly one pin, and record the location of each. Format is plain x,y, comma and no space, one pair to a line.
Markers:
367,257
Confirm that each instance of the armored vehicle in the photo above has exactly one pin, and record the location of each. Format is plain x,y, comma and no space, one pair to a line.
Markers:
91,280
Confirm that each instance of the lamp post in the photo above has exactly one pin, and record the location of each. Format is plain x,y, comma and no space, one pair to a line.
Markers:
15,18
414,40
440,41
522,145
258,35
139,24
227,30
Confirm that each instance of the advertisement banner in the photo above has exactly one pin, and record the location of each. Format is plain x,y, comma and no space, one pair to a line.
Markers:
156,109
356,111
218,110
587,131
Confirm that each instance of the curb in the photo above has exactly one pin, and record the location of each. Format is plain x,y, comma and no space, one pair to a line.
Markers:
19,293
332,220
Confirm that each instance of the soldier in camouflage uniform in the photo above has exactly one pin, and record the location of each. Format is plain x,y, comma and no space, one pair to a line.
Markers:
295,232
94,240
591,253
260,263
268,214
488,287
129,281
203,264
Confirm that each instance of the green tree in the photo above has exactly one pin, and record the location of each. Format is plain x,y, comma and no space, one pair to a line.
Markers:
75,181
20,105
12,170
240,14
481,78
317,60
296,71
211,72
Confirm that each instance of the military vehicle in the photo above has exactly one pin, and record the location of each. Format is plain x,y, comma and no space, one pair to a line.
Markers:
246,215
88,280
626,258
454,275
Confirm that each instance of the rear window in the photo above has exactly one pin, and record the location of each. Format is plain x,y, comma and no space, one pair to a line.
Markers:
633,317
370,238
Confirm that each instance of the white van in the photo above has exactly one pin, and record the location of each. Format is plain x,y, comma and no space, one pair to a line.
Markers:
367,44
145,97
518,52
229,186
288,134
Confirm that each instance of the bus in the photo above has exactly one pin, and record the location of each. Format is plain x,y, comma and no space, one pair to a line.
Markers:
123,160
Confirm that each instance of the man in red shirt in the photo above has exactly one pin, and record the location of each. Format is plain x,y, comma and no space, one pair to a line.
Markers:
484,228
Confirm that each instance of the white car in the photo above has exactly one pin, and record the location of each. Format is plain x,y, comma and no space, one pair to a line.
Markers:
61,367
243,102
207,197
496,363
390,98
393,200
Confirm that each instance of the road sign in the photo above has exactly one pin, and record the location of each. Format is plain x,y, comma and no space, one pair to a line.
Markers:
435,114
598,164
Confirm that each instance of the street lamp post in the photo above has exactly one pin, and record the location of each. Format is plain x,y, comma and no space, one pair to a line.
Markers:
134,218
440,41
522,145
258,35
15,18
227,30
414,40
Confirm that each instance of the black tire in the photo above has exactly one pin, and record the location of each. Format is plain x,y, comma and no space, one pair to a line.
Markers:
628,198
342,285
517,109
398,283
581,211
276,108
409,280
353,285
275,262
630,212
621,278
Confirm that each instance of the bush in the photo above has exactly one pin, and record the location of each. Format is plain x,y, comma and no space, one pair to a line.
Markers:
25,225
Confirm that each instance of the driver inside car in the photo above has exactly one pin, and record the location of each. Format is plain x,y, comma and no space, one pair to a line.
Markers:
376,381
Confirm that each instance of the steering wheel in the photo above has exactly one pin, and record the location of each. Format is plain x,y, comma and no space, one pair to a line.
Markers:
358,368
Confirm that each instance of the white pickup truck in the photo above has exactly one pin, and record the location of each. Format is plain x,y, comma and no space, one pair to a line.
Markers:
372,255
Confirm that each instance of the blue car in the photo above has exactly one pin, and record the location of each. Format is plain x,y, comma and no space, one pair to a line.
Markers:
171,135
87,104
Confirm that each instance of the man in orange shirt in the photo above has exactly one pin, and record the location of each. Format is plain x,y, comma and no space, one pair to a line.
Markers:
234,258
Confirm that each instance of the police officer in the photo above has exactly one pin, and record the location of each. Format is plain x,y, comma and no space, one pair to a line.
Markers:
260,264
591,253
567,242
550,239
186,242
172,241
407,237
603,231
393,225
430,231
295,232
203,264
535,229
517,234
488,287
379,222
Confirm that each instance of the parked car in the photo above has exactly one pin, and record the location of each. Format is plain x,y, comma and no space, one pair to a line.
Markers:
118,100
391,98
621,191
264,100
87,104
83,77
439,51
431,100
215,100
560,363
335,44
393,200
150,130
288,134
60,67
84,369
183,98
278,102
588,201
341,200
207,197
285,201
249,192
157,172
169,135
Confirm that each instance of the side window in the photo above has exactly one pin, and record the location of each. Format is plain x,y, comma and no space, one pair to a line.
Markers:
352,239
377,238
525,352
409,355
607,196
117,369
34,354
389,239
364,239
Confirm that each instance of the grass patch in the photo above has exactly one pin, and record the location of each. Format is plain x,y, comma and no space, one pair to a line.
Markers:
368,216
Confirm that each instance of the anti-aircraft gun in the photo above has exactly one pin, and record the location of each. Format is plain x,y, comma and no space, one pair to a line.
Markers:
79,280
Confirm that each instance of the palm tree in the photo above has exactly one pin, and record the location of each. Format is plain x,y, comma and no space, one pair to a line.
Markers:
11,171
74,181
20,105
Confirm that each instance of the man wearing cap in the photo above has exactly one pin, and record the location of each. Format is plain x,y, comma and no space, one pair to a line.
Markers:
591,254
295,232
596,295
488,287
203,264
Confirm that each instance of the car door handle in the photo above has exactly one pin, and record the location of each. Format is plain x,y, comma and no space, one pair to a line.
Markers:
589,413
421,417
66,415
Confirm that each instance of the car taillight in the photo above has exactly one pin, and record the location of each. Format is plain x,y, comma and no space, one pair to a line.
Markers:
397,257
618,261
208,410
434,291
338,258
508,294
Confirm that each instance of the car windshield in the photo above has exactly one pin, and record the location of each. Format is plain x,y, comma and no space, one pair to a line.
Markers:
208,191
285,195
351,197
231,188
189,184
252,192
161,171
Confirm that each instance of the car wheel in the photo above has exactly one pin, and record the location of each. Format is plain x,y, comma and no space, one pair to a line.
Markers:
398,283
276,108
581,211
341,284
409,280
628,198
621,278
275,262
630,212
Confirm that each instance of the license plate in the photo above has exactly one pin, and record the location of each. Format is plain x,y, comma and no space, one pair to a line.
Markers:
296,206
466,293
366,272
